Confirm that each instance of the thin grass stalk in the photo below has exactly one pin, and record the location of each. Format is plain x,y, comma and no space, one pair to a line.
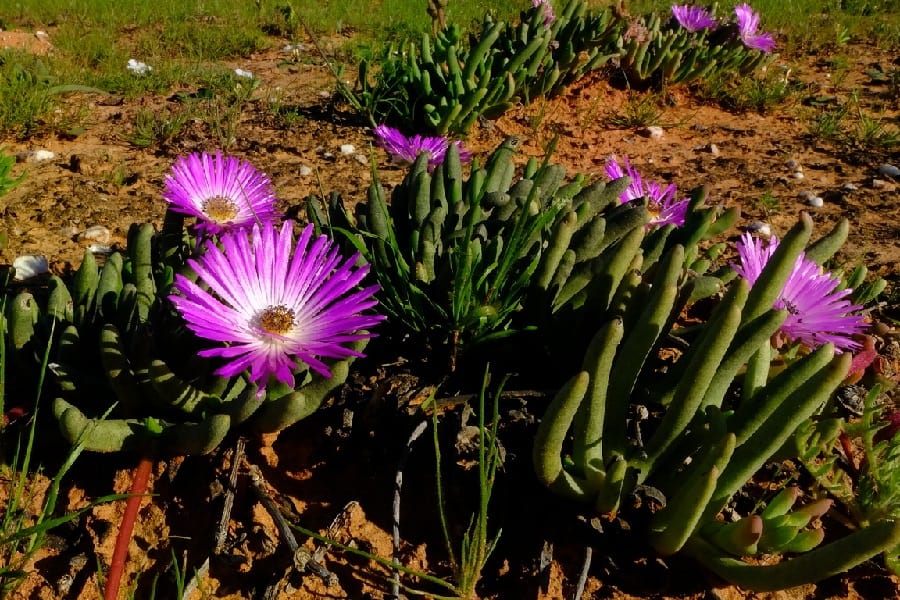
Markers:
439,486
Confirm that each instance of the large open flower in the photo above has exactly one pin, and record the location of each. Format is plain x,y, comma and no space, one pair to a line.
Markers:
273,304
661,203
693,18
223,192
747,23
405,149
818,312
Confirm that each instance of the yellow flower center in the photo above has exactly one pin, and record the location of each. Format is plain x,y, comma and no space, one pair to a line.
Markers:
277,319
219,209
654,208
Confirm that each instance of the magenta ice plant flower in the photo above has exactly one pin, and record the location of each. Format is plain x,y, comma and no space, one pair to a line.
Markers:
404,149
818,312
661,203
223,192
271,303
747,23
693,18
549,14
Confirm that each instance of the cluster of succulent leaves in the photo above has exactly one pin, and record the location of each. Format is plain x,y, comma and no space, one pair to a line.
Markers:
719,413
445,82
656,51
125,368
465,261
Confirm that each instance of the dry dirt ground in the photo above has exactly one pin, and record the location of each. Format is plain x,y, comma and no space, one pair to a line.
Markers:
314,470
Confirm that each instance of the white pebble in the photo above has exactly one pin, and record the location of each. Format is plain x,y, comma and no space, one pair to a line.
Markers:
35,156
243,73
653,132
361,159
100,249
816,202
348,149
760,228
807,195
879,184
849,187
305,171
96,233
797,175
714,150
889,170
30,265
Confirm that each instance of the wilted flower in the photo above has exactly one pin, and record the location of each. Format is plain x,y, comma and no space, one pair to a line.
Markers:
273,305
748,23
661,203
549,15
137,67
693,18
818,312
405,150
223,192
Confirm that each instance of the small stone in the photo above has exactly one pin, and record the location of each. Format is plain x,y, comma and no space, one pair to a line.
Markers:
96,233
806,195
305,171
849,187
361,159
243,73
714,150
653,132
797,175
35,156
793,163
28,266
100,249
760,228
879,184
348,149
816,202
887,170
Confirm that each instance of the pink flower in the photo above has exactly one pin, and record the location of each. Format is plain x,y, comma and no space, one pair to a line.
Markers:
549,15
405,149
272,304
818,312
661,203
223,192
693,18
748,23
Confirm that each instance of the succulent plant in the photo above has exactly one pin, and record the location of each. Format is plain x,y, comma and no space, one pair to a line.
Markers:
464,261
126,368
450,83
702,449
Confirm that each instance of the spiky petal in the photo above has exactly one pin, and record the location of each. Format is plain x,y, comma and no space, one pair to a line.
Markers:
661,203
818,312
747,23
693,18
272,304
405,149
223,192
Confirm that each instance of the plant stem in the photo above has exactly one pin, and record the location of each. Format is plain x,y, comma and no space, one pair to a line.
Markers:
120,553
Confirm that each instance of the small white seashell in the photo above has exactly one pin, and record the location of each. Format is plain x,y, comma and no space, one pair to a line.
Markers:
760,228
243,73
100,249
348,149
30,265
96,233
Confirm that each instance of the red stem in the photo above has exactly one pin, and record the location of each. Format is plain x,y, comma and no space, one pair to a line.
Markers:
137,491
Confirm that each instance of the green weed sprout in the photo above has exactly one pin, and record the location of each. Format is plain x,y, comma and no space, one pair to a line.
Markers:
462,262
125,352
7,182
702,450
